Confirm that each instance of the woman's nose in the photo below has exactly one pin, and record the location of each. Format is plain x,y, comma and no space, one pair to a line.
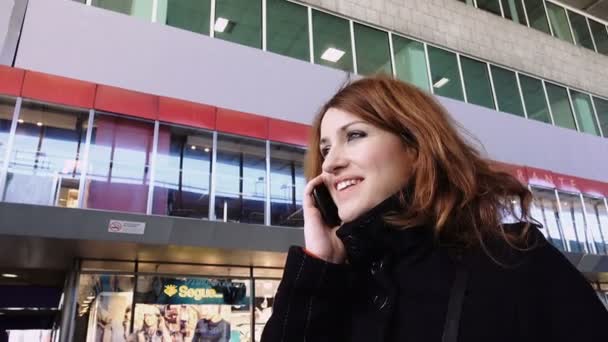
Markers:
336,159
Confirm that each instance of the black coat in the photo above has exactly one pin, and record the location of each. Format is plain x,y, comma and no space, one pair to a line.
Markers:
397,285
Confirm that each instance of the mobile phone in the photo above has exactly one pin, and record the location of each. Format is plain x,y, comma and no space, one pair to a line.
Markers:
326,205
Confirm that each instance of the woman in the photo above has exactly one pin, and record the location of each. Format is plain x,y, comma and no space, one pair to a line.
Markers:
422,253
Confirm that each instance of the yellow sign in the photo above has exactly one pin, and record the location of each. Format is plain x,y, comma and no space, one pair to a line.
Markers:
195,293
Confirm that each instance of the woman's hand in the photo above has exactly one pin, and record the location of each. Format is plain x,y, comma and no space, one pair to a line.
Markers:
320,239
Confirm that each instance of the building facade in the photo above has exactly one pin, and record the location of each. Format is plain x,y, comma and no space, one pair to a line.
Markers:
151,151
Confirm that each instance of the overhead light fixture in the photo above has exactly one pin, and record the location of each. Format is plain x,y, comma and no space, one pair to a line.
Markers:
38,123
193,147
220,24
91,297
9,275
20,121
332,54
443,81
207,149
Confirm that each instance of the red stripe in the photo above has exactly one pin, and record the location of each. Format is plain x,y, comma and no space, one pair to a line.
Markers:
288,132
186,113
122,101
11,80
57,89
232,121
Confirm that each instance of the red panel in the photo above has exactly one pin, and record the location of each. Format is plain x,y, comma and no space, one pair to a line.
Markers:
516,171
11,80
118,100
288,132
186,113
566,182
57,89
231,121
540,177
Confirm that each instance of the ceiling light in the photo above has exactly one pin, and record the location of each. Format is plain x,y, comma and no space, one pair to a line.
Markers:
268,285
20,121
13,309
90,297
443,81
39,123
193,147
207,149
332,55
220,24
9,275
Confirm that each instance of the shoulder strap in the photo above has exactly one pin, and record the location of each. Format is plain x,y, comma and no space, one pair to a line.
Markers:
452,320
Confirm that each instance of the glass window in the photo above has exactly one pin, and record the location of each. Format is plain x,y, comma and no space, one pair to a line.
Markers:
44,166
104,308
331,38
492,6
192,308
534,99
601,108
444,73
287,29
191,15
7,107
265,289
119,164
507,92
373,51
136,8
584,112
240,180
573,222
410,62
545,210
559,22
286,185
560,106
514,10
183,172
239,22
582,36
600,36
468,2
477,82
597,223
536,15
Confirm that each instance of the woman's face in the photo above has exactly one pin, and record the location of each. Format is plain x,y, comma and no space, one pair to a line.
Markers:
363,164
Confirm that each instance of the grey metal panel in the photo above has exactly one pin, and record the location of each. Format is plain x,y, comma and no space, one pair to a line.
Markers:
12,13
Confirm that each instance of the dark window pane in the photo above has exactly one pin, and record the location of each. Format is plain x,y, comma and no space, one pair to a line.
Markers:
137,8
119,164
373,52
332,41
489,5
477,82
507,92
444,73
600,36
239,21
559,22
537,15
584,112
514,10
560,106
191,15
183,172
240,180
410,62
286,185
545,209
534,99
573,223
582,36
601,108
287,29
44,165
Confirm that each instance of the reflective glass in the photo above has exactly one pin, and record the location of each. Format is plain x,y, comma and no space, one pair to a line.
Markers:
507,92
240,180
183,172
582,36
601,108
444,73
536,15
492,6
7,106
286,185
560,106
104,308
119,164
534,99
44,166
573,223
265,290
191,15
287,29
597,223
600,36
331,38
545,210
584,112
410,62
559,22
477,82
136,8
239,21
514,10
373,51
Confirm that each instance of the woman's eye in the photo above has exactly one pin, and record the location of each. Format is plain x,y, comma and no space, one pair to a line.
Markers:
324,151
355,135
